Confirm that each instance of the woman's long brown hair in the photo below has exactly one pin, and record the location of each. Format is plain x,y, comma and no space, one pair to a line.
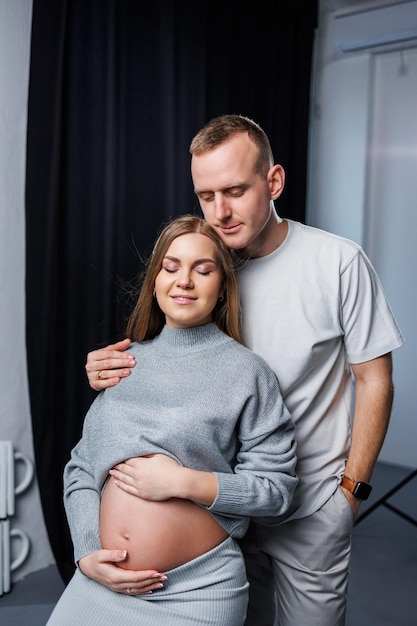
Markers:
147,320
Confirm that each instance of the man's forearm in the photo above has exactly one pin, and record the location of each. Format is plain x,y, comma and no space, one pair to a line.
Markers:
372,411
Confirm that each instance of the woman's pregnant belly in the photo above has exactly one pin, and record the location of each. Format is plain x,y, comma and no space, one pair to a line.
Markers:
156,535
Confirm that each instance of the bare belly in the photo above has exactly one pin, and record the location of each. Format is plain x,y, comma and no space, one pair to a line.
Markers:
156,535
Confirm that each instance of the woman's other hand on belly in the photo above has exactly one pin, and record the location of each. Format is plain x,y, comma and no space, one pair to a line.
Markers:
102,566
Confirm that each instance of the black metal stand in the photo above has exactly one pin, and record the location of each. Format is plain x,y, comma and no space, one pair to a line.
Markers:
383,501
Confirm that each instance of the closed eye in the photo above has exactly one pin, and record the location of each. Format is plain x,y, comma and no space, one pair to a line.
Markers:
236,192
231,192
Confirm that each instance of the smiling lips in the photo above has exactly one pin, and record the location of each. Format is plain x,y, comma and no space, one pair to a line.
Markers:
181,299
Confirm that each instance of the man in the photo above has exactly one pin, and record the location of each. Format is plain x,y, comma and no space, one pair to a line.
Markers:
314,308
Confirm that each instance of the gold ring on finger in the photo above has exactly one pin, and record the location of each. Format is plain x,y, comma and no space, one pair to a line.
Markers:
99,374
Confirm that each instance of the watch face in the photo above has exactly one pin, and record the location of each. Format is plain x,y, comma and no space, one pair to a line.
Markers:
362,491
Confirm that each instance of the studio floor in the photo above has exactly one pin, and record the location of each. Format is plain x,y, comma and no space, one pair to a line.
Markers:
383,577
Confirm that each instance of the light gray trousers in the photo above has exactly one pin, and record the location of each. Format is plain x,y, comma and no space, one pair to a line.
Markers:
303,565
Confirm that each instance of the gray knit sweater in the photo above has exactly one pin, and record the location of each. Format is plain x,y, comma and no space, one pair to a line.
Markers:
204,400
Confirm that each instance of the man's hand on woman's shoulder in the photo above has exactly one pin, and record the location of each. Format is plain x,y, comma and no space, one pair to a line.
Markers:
106,366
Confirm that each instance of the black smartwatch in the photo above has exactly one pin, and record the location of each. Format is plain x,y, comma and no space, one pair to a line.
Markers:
359,490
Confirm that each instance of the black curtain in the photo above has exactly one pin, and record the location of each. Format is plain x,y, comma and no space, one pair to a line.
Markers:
117,91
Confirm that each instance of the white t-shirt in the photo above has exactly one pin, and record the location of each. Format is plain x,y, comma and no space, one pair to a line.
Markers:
310,308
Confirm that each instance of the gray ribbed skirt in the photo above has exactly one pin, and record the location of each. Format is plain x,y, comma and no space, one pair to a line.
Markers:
211,589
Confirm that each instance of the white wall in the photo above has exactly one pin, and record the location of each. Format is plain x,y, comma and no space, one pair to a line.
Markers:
363,185
391,226
15,421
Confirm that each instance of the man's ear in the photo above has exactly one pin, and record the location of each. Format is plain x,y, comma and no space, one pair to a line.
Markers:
276,180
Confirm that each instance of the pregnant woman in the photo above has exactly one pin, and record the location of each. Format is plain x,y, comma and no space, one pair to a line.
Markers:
174,461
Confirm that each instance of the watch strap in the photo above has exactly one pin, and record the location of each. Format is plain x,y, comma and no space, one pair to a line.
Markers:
348,483
358,489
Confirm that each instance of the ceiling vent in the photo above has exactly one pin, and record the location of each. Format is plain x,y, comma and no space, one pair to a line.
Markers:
388,27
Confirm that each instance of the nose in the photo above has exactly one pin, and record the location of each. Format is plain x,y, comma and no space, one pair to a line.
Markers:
221,207
184,280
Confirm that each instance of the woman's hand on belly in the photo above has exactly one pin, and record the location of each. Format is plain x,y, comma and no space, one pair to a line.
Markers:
158,477
102,566
151,477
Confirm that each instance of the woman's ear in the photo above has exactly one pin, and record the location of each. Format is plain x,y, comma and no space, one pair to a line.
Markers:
222,290
276,180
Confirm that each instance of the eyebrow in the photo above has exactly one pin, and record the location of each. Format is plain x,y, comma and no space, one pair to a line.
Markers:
196,262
